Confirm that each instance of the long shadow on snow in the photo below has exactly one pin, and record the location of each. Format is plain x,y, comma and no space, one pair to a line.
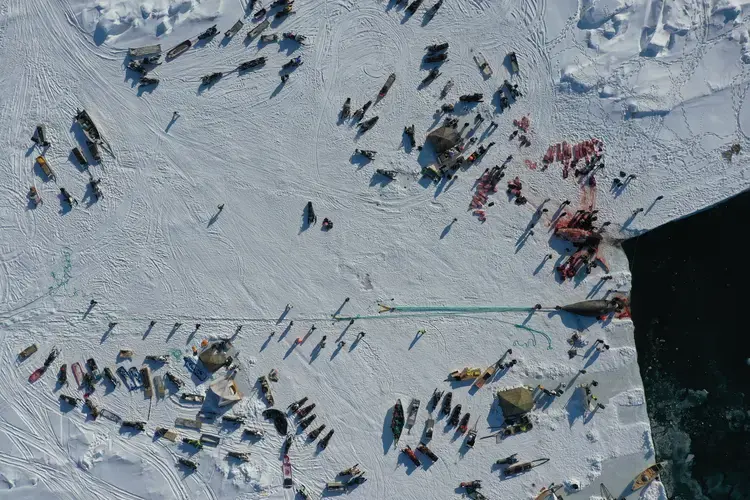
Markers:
387,432
379,179
288,46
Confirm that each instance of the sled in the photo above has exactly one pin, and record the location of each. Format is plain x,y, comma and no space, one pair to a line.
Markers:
483,65
488,373
188,422
273,37
412,413
26,353
210,32
36,374
148,387
79,156
397,421
258,29
145,50
94,150
210,440
647,476
110,416
548,493
387,86
429,426
179,49
45,167
166,433
236,27
286,468
193,368
465,374
242,456
159,385
77,373
192,398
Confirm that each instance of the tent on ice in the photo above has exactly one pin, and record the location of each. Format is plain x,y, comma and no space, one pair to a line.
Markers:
515,402
217,354
227,391
443,139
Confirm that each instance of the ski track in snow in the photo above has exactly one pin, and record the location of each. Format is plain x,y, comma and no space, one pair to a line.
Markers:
665,92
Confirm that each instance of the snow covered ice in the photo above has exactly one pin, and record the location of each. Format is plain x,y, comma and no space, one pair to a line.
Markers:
661,83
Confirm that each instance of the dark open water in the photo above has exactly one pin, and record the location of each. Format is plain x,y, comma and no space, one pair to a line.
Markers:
691,310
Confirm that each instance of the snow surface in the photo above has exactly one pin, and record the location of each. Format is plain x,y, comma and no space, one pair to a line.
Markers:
662,83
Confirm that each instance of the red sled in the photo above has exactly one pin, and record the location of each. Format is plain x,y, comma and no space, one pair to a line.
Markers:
36,374
77,373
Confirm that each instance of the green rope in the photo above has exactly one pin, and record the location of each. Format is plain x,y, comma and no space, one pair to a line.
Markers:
397,309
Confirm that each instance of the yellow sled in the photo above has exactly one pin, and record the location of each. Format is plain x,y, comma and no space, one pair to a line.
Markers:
647,476
465,374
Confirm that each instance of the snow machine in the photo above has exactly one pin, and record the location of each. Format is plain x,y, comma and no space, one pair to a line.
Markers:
34,196
210,32
367,125
146,81
284,12
272,38
70,400
431,76
212,78
187,463
438,47
434,58
290,35
513,62
260,61
367,153
387,86
471,98
293,63
243,457
391,174
137,66
151,61
360,113
346,109
262,12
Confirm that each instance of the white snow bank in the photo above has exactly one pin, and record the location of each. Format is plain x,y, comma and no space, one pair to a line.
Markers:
109,20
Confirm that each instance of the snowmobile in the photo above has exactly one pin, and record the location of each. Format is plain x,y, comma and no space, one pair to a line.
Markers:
434,58
95,188
137,66
244,457
210,32
79,156
513,62
296,405
39,137
455,414
438,47
272,38
284,12
290,35
436,395
287,444
126,380
70,400
212,78
305,423
471,98
195,443
92,408
62,375
68,199
279,3
303,492
91,365
412,8
162,358
431,76
192,398
429,427
323,443
409,131
311,219
210,439
110,376
412,413
125,353
253,432
251,64
367,125
174,379
462,427
233,419
433,10
413,456
424,449
146,81
351,471
471,438
446,408
42,162
391,174
187,463
262,12
346,109
507,460
141,426
151,60
303,412
367,153
315,433
293,63
360,113
33,195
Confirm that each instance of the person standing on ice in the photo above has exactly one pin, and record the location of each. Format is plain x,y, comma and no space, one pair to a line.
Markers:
221,207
